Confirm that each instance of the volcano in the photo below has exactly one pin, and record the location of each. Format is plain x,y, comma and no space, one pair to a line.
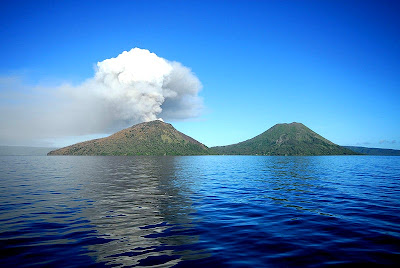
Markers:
285,139
149,138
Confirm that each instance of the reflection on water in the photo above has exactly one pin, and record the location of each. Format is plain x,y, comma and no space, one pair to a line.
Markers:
199,211
144,208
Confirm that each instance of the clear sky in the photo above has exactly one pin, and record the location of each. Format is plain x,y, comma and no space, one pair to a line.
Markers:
331,65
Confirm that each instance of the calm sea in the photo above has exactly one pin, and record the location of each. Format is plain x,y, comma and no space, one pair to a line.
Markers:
199,211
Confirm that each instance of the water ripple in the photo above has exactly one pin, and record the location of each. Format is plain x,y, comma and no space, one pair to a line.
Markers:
199,211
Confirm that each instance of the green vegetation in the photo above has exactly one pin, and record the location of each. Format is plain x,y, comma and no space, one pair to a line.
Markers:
151,138
159,138
284,139
373,151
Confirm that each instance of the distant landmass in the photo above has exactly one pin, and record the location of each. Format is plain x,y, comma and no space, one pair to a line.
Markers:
285,139
373,151
159,138
149,138
24,150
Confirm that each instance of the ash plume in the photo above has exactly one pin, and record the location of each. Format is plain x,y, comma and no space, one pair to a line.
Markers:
135,86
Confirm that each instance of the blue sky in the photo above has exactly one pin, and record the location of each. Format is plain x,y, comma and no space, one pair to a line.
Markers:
332,65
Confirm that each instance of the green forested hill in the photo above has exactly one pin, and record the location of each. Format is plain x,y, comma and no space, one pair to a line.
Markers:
284,139
150,138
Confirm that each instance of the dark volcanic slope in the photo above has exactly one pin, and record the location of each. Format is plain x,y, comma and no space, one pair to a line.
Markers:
284,139
150,138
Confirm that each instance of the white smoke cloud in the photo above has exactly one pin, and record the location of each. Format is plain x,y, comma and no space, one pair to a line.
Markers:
133,87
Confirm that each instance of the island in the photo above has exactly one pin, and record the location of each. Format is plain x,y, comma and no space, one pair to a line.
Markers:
160,138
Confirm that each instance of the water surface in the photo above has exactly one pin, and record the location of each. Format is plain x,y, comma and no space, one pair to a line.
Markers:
199,211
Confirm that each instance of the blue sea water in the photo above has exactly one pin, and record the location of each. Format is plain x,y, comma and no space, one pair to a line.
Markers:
199,211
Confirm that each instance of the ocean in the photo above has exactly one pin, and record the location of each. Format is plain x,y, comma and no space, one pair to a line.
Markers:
199,211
